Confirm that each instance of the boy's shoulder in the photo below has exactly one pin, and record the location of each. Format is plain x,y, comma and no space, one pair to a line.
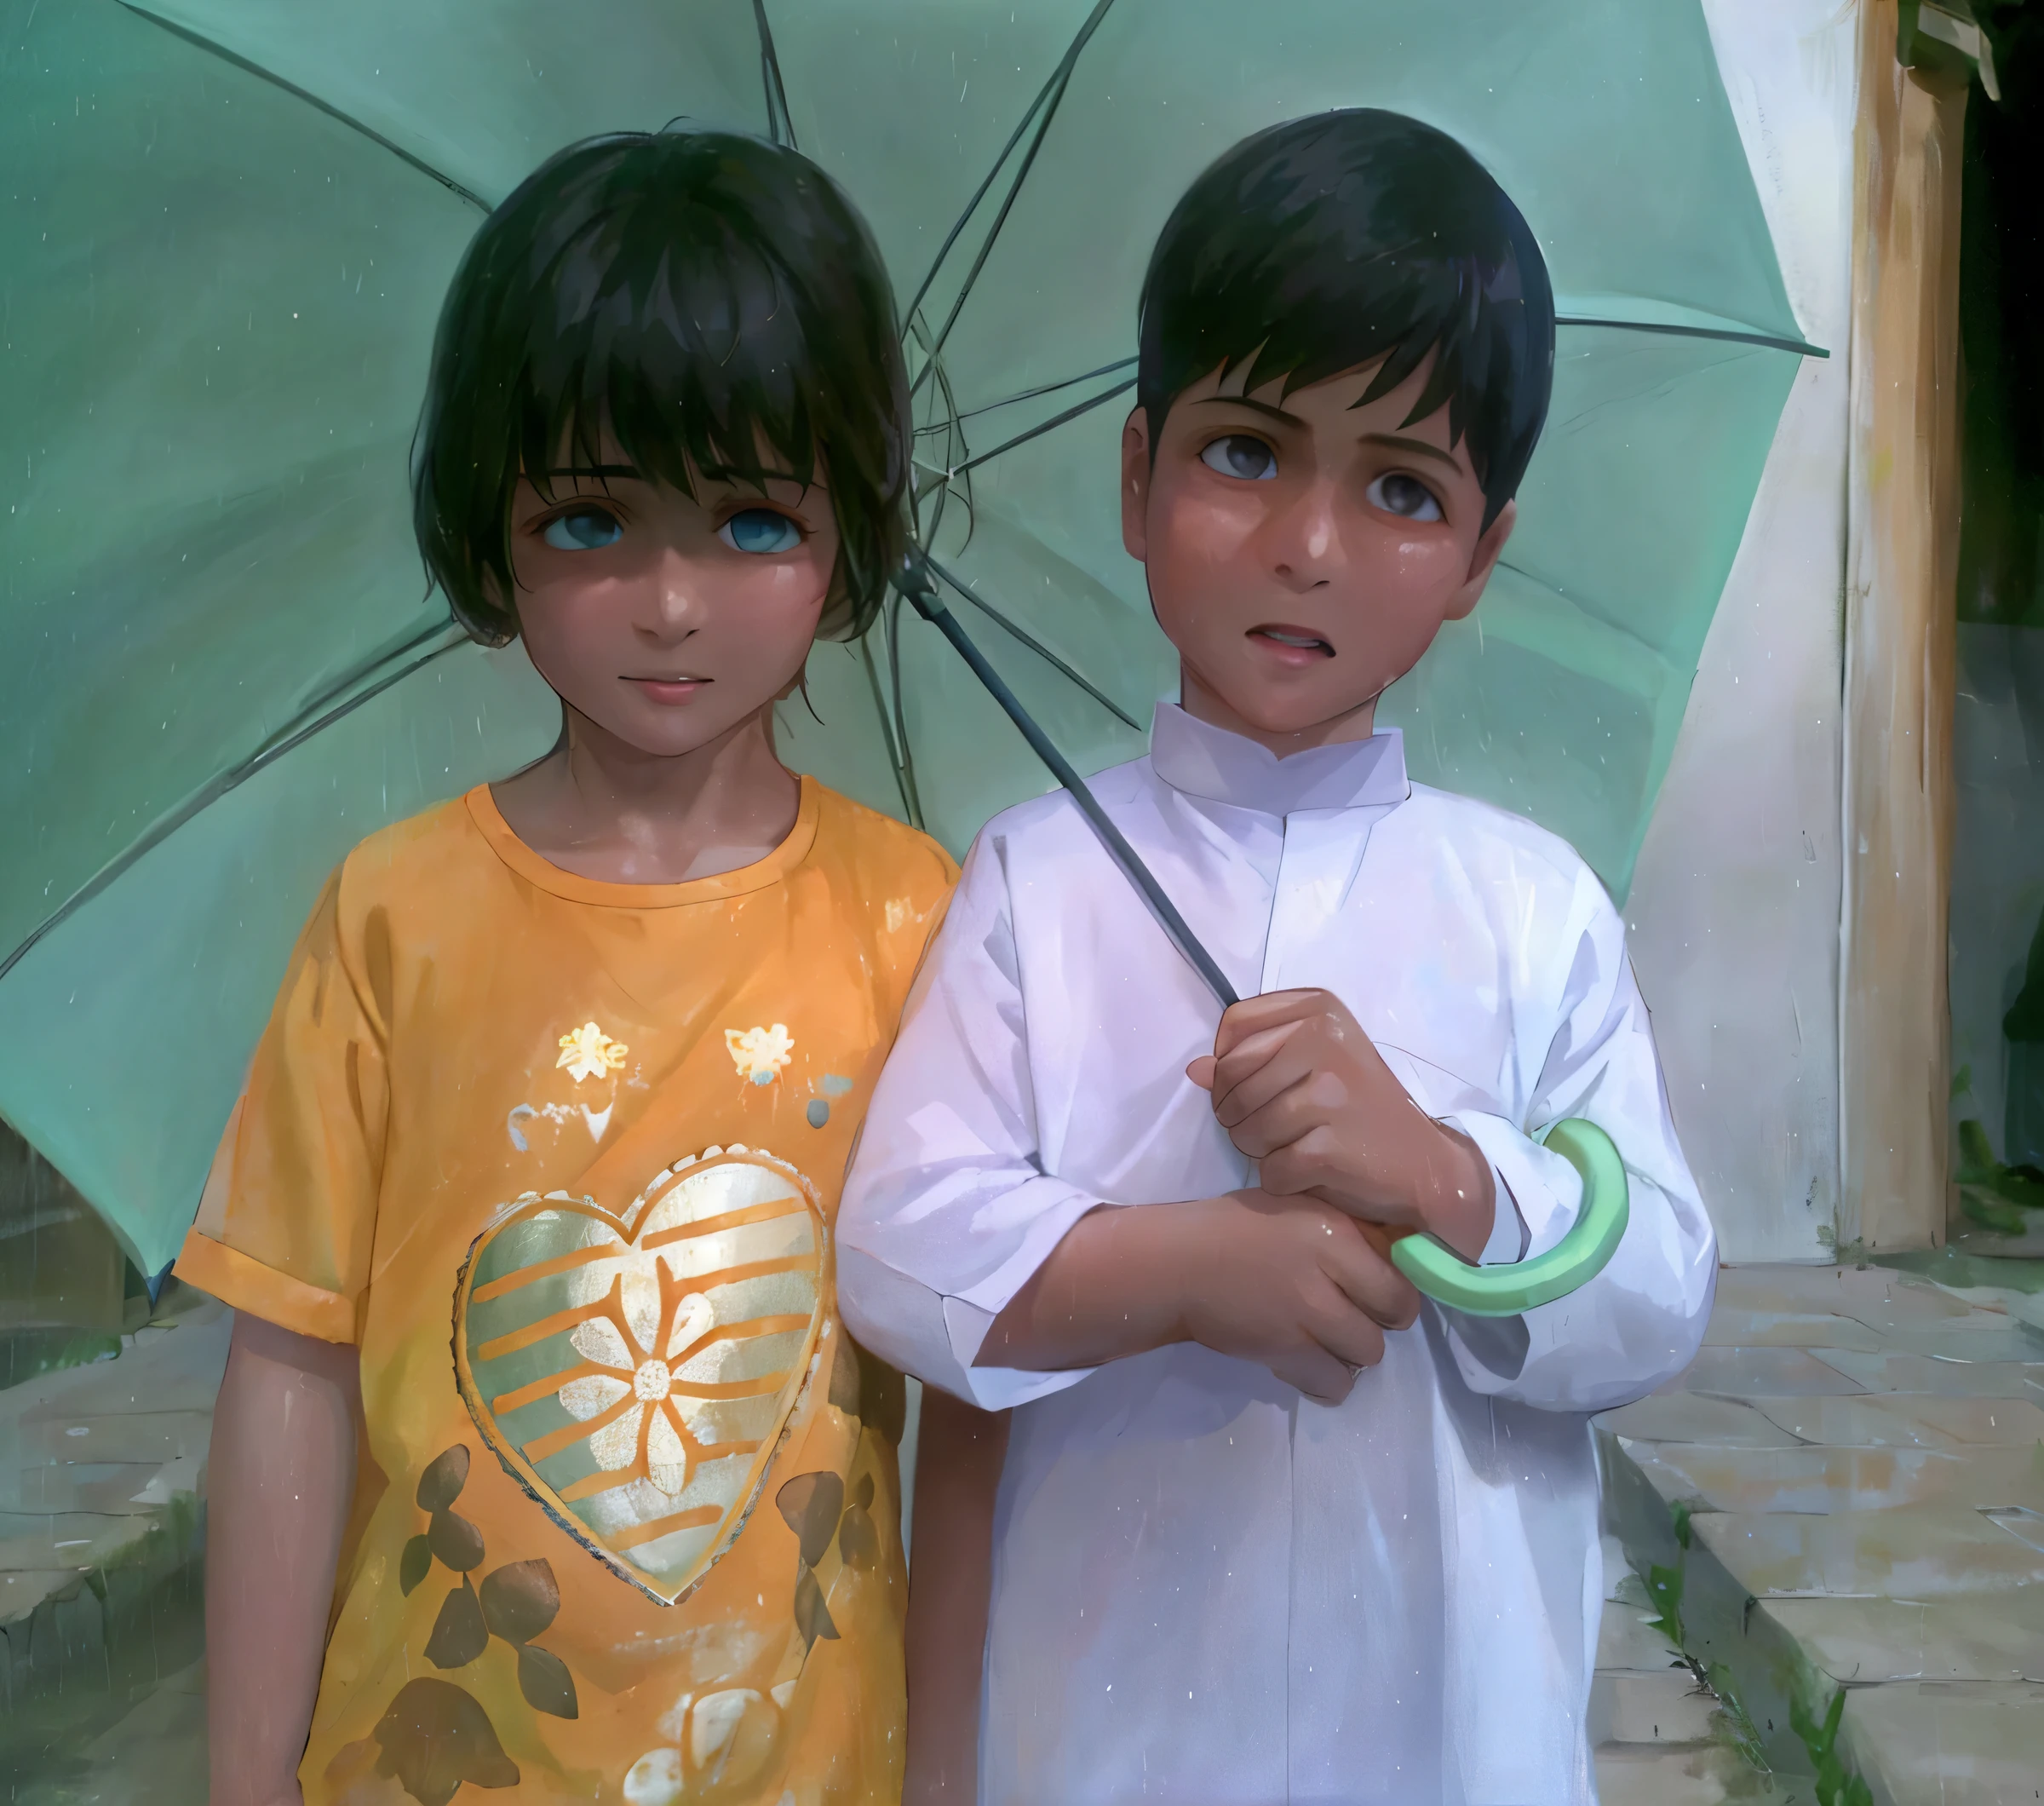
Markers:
1510,868
1055,814
1468,822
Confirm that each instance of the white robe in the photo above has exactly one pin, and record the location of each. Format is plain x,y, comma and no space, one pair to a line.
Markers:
1208,1589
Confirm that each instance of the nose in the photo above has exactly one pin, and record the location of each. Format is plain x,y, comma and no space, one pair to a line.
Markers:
674,607
1304,540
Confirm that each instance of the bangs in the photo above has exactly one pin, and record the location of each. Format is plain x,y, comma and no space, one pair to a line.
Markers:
1330,243
702,304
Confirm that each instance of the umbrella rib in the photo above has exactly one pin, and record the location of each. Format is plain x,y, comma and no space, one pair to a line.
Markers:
972,206
1769,340
907,753
1030,395
1036,432
780,126
214,48
1035,645
1053,98
291,736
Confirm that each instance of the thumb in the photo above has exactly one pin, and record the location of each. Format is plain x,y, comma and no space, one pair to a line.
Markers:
1200,1072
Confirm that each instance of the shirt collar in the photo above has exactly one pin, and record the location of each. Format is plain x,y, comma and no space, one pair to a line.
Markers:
1202,760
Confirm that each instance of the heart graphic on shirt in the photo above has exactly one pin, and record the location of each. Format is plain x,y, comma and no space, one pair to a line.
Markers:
636,1373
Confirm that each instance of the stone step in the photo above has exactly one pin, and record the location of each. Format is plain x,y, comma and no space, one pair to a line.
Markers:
1864,1519
1701,1774
101,1536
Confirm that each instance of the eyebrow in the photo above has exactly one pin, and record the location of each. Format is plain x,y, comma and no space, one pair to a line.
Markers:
628,471
1391,441
1401,442
1254,407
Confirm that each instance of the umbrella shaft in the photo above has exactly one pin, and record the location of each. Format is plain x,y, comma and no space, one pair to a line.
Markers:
1173,925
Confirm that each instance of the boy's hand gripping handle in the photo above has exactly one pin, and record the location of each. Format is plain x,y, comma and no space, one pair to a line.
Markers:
1581,1255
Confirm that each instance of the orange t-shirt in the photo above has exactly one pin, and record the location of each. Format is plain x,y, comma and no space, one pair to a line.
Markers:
561,1158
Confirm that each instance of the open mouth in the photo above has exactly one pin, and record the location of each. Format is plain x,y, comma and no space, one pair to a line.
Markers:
1293,639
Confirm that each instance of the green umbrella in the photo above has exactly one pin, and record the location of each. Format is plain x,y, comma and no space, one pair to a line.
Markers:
228,226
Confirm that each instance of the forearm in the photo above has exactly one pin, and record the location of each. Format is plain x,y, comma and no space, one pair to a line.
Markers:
1108,1289
280,1481
957,1477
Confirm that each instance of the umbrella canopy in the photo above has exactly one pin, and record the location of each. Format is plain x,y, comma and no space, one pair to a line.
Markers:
231,224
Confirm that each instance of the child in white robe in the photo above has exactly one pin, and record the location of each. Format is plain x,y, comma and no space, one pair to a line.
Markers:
1268,1528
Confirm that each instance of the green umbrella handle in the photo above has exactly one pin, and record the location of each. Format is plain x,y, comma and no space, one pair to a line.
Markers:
1579,1257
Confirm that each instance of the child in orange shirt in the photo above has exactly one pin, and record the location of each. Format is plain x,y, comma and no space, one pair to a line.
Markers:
530,1194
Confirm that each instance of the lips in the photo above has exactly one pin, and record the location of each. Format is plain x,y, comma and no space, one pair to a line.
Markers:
1297,643
669,689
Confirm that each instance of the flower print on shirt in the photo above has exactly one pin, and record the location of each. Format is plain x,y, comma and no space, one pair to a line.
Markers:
760,1054
589,1053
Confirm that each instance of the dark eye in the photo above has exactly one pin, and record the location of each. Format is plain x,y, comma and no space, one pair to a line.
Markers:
760,531
582,530
1396,493
1241,454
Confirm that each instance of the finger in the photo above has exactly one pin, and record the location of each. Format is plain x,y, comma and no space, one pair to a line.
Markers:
1200,1072
1369,1280
1322,1377
1274,1128
1238,1096
1251,1054
1254,1014
1352,1336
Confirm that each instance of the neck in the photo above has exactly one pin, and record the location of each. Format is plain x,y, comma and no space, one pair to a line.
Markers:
604,808
1203,702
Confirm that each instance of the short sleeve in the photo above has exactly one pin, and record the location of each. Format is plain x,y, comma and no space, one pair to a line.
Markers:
287,1223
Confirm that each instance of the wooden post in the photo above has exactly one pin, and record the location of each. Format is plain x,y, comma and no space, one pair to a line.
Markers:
1900,649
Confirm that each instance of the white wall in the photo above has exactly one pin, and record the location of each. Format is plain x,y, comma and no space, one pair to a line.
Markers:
1734,911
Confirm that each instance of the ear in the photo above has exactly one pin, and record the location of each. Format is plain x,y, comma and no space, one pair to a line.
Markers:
493,594
1482,562
1135,485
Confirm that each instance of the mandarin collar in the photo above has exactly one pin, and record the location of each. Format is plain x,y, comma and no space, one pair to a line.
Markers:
1202,760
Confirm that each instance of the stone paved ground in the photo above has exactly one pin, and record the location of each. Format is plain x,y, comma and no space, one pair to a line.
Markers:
1859,1449
1861,1454
101,1629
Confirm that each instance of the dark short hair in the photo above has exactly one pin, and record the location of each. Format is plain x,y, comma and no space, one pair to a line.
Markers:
1327,242
701,296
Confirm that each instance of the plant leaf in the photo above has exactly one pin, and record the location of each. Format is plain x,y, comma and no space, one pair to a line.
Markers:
2019,1188
811,1616
520,1601
434,1737
459,1634
415,1564
812,1504
1977,1163
455,1541
544,1680
858,1539
1986,1208
445,1475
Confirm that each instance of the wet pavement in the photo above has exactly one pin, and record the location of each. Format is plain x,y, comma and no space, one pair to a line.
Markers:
1858,1455
1860,1452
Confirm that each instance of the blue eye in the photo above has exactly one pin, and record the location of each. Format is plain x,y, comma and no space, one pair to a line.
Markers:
1396,493
583,530
1240,455
760,531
